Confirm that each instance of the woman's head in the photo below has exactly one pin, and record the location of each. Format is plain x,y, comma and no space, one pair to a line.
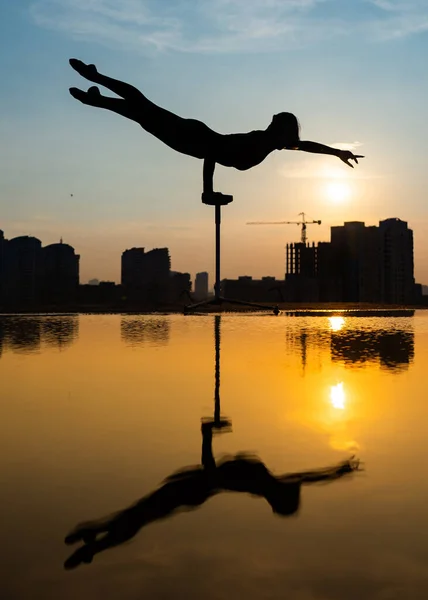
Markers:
284,497
285,130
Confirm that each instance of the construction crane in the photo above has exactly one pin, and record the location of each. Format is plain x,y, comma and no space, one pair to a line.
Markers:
303,223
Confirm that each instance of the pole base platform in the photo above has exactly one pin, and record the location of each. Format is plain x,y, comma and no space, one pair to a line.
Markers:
217,425
216,199
220,300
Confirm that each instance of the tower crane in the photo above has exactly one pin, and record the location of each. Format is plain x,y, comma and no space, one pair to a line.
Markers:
303,223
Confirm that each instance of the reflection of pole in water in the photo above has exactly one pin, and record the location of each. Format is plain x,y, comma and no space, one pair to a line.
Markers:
303,349
217,319
218,422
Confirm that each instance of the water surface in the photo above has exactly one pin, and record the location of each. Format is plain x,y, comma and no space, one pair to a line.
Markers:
97,410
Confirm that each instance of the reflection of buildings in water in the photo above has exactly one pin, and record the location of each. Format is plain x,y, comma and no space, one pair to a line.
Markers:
21,334
60,331
1,336
392,349
25,334
397,349
354,346
307,338
140,330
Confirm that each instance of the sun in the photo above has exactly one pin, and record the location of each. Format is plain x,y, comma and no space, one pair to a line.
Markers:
338,191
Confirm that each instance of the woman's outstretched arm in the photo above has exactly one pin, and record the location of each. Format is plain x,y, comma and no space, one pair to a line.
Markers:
344,468
316,148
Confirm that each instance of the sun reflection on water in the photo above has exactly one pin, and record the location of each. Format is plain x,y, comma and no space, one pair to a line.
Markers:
337,396
336,323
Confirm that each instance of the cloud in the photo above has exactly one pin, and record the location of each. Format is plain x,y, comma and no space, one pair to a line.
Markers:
401,18
400,5
353,146
129,22
207,26
225,26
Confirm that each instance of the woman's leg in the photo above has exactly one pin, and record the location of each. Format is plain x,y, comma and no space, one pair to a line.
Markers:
187,136
93,98
125,90
86,553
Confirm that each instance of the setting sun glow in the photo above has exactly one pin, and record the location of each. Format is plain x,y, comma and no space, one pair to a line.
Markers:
338,191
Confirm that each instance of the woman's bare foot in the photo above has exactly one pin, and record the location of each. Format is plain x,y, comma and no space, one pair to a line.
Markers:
86,97
93,91
84,554
87,71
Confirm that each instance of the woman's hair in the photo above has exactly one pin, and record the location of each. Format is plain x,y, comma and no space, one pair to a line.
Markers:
284,497
287,126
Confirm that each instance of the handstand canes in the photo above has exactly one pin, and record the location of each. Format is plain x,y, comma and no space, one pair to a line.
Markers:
218,200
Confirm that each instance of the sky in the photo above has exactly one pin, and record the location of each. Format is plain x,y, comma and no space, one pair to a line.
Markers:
353,72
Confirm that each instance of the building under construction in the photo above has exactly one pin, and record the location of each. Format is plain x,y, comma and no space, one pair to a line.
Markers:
359,264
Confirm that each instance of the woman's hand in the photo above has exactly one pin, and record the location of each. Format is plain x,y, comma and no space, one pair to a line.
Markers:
347,155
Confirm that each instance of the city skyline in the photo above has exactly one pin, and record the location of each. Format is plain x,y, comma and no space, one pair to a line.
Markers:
93,280
352,73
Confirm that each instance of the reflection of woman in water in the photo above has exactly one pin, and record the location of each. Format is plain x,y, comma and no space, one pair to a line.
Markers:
190,488
188,136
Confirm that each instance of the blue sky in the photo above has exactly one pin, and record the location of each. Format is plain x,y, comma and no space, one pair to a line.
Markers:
354,72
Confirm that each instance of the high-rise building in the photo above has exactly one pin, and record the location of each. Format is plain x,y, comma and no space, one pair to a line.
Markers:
201,285
329,273
180,286
22,270
397,281
60,273
157,266
371,266
2,265
301,260
156,278
301,271
358,261
132,271
361,264
146,275
140,268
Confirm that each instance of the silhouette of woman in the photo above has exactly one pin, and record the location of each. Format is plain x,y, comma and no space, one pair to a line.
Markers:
191,487
189,136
